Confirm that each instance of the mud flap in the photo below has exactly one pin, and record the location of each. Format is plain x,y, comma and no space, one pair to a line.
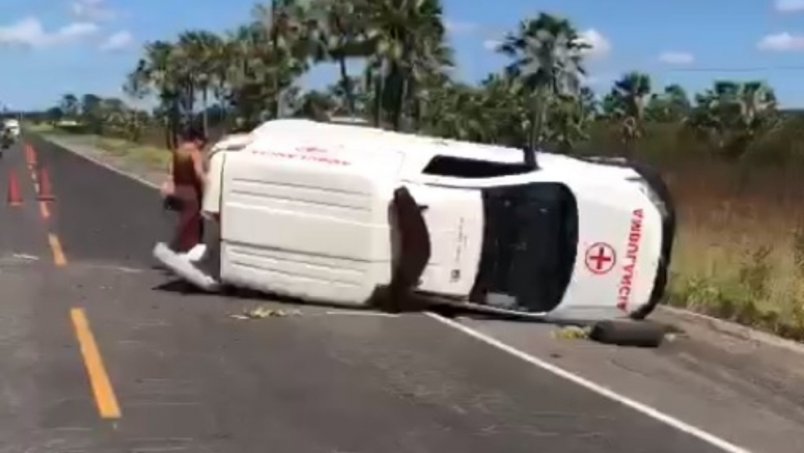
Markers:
412,253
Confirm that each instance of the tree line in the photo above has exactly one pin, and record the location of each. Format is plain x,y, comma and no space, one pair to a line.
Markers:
251,74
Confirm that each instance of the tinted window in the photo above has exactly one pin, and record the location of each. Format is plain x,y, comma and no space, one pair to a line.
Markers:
473,168
529,246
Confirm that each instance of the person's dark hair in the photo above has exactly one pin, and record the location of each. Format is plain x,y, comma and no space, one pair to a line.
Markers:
194,134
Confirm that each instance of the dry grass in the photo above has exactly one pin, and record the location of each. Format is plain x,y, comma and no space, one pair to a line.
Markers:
152,157
740,249
39,128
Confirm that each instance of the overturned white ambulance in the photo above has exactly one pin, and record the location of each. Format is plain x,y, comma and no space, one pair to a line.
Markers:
342,214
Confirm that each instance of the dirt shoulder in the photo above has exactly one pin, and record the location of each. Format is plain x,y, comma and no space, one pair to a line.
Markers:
144,162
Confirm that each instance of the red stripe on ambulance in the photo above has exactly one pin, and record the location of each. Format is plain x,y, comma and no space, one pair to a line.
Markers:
307,154
631,256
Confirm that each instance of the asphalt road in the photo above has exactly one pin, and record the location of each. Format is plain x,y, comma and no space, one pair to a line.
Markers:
102,353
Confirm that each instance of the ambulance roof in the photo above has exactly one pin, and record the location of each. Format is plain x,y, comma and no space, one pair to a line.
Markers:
353,137
418,154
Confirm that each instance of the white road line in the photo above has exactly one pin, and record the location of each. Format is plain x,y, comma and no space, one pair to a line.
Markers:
26,257
589,385
112,267
361,313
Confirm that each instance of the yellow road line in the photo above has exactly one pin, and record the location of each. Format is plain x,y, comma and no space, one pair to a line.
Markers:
58,253
98,378
44,210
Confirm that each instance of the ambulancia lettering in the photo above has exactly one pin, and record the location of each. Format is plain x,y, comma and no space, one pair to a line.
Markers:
631,256
306,154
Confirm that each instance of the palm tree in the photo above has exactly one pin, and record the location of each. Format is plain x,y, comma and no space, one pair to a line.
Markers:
456,112
287,24
159,70
733,114
201,49
547,53
91,112
405,36
341,32
630,95
672,105
70,105
428,70
567,123
252,74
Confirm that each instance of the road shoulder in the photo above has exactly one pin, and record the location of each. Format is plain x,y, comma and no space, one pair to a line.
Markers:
85,146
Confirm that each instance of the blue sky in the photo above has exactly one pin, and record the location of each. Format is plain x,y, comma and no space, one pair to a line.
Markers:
50,47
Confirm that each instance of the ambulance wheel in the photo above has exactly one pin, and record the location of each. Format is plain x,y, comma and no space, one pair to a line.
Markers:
628,333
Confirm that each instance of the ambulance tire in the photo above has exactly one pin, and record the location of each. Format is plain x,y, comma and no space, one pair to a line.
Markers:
384,299
628,333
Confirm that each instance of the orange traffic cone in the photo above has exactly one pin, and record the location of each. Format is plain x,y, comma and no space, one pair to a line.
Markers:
30,156
14,194
45,188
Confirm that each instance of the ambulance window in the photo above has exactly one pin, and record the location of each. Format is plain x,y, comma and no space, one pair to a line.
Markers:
530,243
472,168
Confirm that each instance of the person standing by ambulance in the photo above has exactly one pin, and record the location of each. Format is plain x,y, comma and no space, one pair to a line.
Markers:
184,191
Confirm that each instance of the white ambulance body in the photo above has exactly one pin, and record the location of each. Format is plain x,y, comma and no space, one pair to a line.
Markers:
323,213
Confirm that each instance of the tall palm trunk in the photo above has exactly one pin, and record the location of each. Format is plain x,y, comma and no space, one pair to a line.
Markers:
275,44
398,80
168,128
538,118
416,106
379,82
205,111
347,85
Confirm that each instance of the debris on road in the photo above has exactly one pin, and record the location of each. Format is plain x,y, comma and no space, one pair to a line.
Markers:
572,333
265,312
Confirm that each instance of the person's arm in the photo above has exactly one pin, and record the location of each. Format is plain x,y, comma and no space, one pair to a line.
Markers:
167,189
198,165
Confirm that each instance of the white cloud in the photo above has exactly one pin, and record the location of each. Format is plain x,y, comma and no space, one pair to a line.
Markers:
600,45
677,58
92,10
30,33
782,42
460,27
118,41
789,6
491,44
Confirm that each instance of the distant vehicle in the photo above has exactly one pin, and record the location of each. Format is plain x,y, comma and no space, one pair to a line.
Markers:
341,214
13,126
8,135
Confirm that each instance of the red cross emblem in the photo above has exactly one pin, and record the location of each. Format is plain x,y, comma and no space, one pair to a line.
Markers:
600,258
